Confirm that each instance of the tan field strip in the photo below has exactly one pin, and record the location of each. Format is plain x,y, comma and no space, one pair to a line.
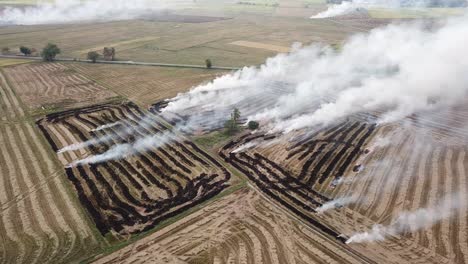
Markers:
121,45
40,219
258,45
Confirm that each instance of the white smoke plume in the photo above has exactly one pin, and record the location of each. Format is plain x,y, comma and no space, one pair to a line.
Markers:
347,7
338,202
107,126
127,129
121,151
415,220
344,8
66,11
398,70
245,146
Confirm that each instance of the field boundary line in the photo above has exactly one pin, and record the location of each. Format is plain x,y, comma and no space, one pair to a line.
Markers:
140,63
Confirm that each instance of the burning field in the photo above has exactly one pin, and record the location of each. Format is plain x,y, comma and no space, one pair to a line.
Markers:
130,193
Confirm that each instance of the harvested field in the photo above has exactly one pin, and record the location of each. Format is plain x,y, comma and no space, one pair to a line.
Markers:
302,175
294,174
243,227
132,195
54,85
425,161
256,45
40,220
10,62
144,85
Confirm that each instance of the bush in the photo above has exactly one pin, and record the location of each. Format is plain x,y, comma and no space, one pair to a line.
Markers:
208,63
25,50
252,125
50,52
5,50
93,56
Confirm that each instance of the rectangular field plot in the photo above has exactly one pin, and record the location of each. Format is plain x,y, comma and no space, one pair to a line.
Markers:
45,85
134,193
142,84
297,175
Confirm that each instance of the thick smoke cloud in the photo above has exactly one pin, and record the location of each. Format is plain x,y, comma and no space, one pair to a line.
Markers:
398,70
413,221
347,7
66,11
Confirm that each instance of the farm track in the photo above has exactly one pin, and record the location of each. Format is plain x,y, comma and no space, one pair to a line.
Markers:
40,220
132,195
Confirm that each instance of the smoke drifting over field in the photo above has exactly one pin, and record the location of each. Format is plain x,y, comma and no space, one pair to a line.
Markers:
414,220
121,151
398,70
347,7
65,11
336,203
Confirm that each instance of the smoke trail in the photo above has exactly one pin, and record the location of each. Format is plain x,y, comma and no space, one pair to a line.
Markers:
245,147
398,70
347,7
66,11
125,150
85,144
126,130
336,203
107,126
412,221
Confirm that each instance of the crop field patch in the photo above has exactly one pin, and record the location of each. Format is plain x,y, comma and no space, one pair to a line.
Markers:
41,221
242,227
42,85
142,84
257,45
350,160
10,62
132,194
294,174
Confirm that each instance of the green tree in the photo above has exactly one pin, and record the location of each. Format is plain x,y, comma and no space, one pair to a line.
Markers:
232,125
50,52
25,50
208,63
93,56
252,125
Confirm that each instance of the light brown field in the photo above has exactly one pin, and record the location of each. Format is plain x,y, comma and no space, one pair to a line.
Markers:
53,85
40,220
142,84
243,227
186,43
257,45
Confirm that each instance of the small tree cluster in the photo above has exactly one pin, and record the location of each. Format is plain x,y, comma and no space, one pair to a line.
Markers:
208,63
109,54
50,52
93,56
252,125
25,50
